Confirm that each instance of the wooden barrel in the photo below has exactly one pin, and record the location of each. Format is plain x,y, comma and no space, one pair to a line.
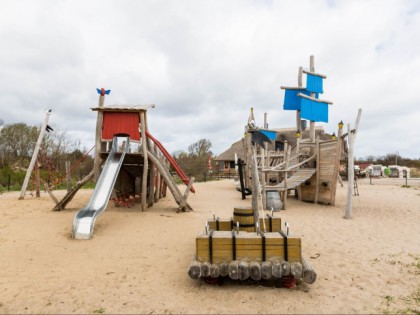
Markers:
273,200
245,217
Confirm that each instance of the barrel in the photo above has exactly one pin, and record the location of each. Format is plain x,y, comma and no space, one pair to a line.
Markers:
273,200
245,217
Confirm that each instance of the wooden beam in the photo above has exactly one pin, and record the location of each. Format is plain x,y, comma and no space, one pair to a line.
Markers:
35,155
318,162
98,138
352,139
158,177
169,181
312,122
312,98
316,74
255,182
145,161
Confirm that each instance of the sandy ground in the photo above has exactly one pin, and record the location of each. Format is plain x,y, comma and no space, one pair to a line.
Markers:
137,261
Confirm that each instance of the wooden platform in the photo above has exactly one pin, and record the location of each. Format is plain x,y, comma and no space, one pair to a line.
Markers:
225,246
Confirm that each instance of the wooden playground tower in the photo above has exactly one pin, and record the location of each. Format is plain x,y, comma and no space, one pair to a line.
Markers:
311,166
144,172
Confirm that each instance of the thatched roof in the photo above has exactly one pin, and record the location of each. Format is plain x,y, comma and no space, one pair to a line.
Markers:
289,134
229,155
283,134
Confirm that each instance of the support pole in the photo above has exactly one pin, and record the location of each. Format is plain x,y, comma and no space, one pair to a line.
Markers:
68,177
255,184
98,135
145,163
312,122
298,118
352,138
318,160
35,155
37,181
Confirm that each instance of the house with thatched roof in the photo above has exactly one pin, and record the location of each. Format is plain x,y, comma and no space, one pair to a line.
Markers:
226,160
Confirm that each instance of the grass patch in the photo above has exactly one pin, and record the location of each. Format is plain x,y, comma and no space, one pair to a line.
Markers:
409,304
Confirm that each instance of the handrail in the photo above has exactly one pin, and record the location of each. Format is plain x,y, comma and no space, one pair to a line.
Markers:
290,168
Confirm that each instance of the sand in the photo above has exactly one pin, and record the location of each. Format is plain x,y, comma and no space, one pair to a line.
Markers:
137,262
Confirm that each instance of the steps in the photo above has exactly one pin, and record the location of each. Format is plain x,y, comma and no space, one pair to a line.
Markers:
299,177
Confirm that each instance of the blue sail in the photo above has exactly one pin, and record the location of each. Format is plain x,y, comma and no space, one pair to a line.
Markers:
314,83
312,110
291,100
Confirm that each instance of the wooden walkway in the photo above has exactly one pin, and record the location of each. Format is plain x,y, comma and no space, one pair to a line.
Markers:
299,177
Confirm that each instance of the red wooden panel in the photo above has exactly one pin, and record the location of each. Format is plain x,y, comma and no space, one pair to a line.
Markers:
121,122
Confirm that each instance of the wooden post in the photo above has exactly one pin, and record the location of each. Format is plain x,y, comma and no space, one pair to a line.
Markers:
352,138
68,177
263,177
37,182
248,161
337,164
98,135
158,177
255,182
298,188
312,122
318,162
152,185
299,128
35,155
287,150
145,162
298,118
169,181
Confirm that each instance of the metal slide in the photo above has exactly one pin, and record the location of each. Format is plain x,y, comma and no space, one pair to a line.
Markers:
85,219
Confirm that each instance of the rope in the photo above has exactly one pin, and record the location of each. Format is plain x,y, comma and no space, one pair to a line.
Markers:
59,180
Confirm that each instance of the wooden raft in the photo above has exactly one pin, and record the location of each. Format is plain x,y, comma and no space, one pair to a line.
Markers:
224,246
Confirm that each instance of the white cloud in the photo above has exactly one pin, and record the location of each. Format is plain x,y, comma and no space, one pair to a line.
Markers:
205,63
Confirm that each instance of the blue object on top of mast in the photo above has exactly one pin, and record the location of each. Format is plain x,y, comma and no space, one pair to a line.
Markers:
102,91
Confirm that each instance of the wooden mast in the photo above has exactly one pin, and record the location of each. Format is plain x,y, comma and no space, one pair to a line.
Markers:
98,135
312,122
35,155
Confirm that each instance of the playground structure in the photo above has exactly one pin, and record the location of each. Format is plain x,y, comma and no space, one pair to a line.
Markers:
254,245
143,173
122,172
310,166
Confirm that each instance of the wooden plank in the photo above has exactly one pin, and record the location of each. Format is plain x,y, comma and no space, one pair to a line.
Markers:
248,247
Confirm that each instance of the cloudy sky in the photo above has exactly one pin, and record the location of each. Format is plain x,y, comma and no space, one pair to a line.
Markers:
205,63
